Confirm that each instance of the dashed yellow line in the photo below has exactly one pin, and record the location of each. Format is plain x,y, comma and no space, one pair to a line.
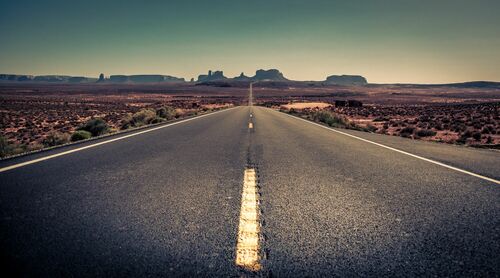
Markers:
247,246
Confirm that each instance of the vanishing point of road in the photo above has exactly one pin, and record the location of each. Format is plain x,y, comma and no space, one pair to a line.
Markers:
251,191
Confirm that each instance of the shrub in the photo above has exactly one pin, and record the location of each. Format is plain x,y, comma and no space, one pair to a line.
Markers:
407,131
143,117
147,116
95,126
464,136
126,122
166,112
4,147
36,146
371,128
381,119
425,133
55,138
80,135
329,119
476,136
158,120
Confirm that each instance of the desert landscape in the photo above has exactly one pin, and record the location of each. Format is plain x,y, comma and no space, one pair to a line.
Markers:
467,113
319,138
38,115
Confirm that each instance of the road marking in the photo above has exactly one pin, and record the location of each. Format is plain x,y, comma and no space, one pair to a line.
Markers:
250,125
104,142
247,246
401,151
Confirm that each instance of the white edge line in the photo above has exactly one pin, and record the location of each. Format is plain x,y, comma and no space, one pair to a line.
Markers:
399,151
105,142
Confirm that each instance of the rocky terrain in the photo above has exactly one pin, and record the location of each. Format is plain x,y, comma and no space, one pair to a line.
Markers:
464,113
35,116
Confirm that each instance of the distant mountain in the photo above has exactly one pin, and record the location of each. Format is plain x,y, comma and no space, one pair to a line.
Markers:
45,78
271,78
346,80
218,79
272,74
142,78
242,77
473,84
211,76
15,77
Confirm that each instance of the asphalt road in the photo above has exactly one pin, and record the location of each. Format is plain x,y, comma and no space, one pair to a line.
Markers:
167,203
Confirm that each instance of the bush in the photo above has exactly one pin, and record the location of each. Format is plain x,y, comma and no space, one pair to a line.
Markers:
126,122
96,127
425,133
4,147
464,136
329,119
157,120
55,138
143,117
80,135
476,136
371,128
407,131
381,119
166,112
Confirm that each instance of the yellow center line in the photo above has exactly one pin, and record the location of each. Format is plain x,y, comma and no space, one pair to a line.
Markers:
247,246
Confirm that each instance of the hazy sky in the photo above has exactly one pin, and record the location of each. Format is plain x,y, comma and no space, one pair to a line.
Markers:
422,41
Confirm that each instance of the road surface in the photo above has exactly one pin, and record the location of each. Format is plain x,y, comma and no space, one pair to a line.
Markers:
169,203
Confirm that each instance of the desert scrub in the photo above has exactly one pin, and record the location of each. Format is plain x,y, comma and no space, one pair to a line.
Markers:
55,138
370,128
80,135
96,127
329,118
425,133
143,117
407,131
5,148
166,112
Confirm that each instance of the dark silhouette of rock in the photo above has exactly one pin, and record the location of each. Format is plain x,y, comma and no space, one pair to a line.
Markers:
118,78
212,76
144,78
348,103
272,74
101,78
78,79
242,77
15,77
354,103
51,78
346,80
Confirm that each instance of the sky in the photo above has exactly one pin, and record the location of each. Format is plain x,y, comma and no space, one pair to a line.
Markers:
387,41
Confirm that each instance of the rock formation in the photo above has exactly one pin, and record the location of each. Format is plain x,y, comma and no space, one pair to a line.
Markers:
347,80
